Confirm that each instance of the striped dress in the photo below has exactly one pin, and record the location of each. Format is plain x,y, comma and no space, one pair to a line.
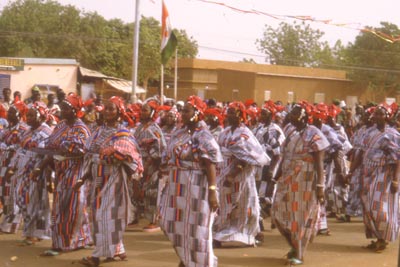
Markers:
9,143
380,206
185,214
354,207
69,218
295,208
31,195
239,210
152,144
111,152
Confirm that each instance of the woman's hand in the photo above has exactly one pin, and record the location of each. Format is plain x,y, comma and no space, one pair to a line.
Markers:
78,185
320,195
394,187
213,200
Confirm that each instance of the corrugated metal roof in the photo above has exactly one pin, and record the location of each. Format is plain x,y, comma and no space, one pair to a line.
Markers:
91,73
49,61
125,86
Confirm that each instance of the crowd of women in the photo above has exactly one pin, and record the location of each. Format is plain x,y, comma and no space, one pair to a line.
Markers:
206,174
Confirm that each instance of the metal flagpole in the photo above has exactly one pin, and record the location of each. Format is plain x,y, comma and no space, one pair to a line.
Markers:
135,57
176,76
162,85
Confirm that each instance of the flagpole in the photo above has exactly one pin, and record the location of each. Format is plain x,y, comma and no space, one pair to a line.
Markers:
162,85
176,76
135,57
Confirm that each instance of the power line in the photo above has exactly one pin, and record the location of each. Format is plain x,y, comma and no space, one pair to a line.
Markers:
9,34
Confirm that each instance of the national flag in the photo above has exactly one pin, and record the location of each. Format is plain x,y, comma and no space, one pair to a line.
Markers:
168,38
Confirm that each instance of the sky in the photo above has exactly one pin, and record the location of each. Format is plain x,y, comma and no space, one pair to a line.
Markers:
226,34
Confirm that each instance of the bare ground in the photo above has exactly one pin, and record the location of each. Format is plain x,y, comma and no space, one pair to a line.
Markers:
342,248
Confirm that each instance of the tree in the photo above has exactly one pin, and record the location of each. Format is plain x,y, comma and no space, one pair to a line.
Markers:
45,28
375,63
295,45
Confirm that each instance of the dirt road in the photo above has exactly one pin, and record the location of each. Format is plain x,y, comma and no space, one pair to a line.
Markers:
342,248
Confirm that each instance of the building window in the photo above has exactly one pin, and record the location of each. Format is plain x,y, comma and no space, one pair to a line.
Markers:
267,95
319,97
290,97
235,94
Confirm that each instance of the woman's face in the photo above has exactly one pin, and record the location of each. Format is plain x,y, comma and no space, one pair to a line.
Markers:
67,112
265,116
170,119
12,115
110,112
187,113
232,116
32,118
146,113
297,117
379,116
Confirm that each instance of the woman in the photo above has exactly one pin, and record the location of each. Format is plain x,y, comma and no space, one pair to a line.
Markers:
152,143
271,137
381,174
31,194
238,219
66,146
214,120
354,177
9,142
300,188
190,195
112,159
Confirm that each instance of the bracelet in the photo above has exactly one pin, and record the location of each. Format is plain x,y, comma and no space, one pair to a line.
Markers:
36,169
79,181
395,182
274,181
212,187
10,172
320,185
239,167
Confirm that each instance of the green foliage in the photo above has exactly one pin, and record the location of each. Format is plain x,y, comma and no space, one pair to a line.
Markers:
295,45
375,62
45,28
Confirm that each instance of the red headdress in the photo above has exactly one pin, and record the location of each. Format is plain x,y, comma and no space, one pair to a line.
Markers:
119,103
216,113
320,111
270,106
3,112
21,107
199,105
388,109
333,111
42,109
253,113
248,103
133,111
240,109
75,101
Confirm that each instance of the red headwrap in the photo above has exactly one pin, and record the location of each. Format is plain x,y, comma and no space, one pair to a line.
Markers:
320,111
133,111
3,112
239,107
388,110
248,103
270,106
216,113
119,103
253,112
42,109
76,103
333,111
21,107
198,104
153,104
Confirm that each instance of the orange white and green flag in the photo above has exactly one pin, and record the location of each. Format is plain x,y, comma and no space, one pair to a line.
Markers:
168,38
